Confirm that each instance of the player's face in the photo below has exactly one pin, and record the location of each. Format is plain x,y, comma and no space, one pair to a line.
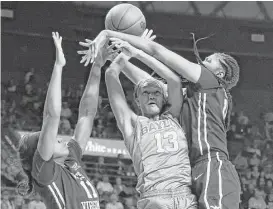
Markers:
212,62
150,100
60,148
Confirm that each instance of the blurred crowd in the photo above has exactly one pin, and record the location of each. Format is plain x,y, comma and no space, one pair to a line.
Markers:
250,147
254,159
23,102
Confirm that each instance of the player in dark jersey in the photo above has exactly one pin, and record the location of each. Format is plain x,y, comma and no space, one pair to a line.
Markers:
53,166
155,140
206,115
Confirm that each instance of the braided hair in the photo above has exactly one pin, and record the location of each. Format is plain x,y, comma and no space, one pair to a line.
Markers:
27,147
230,79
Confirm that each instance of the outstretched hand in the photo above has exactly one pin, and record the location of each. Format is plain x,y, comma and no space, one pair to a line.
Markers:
148,34
93,48
124,47
104,53
60,59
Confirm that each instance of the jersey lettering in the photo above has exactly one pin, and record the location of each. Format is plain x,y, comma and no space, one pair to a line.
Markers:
172,146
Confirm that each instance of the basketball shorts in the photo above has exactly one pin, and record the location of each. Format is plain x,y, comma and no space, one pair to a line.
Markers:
216,183
168,199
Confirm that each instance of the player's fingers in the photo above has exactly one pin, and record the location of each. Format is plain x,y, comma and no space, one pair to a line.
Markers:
87,60
153,37
84,44
150,33
145,33
57,35
88,40
110,47
83,59
83,52
61,39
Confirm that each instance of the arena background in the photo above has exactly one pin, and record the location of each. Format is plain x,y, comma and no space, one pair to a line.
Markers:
243,29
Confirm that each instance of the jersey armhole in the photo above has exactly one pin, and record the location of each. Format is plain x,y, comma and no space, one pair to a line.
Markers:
44,172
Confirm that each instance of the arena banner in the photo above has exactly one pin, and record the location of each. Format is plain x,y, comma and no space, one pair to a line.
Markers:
100,147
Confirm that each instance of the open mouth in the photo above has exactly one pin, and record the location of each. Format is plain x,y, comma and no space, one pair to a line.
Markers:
151,103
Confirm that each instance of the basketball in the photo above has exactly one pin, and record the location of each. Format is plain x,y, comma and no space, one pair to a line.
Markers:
126,18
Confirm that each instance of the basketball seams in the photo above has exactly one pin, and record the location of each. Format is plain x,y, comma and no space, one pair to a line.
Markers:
122,30
113,23
124,14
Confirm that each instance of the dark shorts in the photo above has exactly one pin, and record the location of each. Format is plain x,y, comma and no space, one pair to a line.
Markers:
216,183
168,199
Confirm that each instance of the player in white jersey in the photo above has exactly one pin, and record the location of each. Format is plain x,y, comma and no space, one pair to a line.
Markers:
155,140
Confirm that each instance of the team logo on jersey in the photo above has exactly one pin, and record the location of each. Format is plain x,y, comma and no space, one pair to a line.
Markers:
75,166
157,125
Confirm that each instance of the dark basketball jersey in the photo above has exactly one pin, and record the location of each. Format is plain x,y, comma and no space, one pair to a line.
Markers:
66,187
203,116
159,152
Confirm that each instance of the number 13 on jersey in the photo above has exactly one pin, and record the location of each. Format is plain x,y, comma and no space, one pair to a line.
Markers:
170,146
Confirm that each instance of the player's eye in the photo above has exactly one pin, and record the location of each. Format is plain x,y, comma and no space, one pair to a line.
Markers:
145,92
157,93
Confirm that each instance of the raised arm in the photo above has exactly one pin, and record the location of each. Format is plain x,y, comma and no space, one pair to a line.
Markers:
124,115
89,101
189,70
134,73
52,107
173,81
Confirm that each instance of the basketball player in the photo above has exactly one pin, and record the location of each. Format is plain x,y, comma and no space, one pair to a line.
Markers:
206,115
155,140
53,166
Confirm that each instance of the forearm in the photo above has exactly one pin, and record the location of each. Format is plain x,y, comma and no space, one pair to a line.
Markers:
53,103
161,69
189,70
89,100
134,73
150,47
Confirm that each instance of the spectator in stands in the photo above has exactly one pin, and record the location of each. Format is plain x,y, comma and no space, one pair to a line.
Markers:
130,171
94,133
268,187
104,185
270,200
242,122
257,202
240,162
254,160
5,201
255,172
119,187
79,91
38,101
29,76
121,166
268,121
65,127
248,193
11,86
66,112
114,203
36,203
18,202
100,167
